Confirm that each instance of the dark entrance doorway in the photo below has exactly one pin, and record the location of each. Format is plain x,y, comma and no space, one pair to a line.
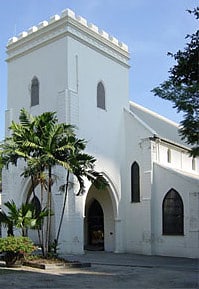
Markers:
95,221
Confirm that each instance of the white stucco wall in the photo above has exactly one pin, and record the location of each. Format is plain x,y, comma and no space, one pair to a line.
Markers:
48,64
157,176
187,245
180,158
137,215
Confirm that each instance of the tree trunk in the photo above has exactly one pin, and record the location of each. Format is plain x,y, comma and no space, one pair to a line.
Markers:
49,211
63,209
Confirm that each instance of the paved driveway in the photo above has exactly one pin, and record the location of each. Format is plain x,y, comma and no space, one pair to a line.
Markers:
109,270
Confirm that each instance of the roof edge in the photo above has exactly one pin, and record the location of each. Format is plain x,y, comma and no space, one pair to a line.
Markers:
152,131
153,113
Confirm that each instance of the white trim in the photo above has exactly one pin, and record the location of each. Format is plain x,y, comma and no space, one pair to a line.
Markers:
67,24
155,114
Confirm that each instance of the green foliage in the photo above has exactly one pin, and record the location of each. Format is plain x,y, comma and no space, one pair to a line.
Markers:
1,166
8,222
22,218
182,88
23,245
43,143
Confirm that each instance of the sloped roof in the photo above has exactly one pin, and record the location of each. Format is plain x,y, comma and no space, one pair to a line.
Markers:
163,127
181,173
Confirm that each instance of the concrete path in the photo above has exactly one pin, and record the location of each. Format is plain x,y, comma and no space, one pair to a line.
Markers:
109,271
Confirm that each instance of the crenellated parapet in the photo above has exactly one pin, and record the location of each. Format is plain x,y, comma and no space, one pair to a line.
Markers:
67,22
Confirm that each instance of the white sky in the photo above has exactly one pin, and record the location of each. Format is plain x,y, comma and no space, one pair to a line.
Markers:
149,28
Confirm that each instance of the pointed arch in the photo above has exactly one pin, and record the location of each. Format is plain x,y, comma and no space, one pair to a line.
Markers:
101,96
108,200
37,205
172,214
135,183
34,91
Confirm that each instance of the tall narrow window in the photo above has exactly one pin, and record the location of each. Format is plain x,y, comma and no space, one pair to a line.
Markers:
193,164
173,214
34,91
100,95
169,156
135,183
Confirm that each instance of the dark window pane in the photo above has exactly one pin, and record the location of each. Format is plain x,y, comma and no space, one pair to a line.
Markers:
34,91
100,96
37,205
173,214
135,183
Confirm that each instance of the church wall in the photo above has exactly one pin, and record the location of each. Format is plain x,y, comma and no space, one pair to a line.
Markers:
48,64
175,161
137,215
144,220
187,164
104,136
95,124
186,245
180,158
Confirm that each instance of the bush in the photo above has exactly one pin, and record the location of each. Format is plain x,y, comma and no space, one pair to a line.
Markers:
22,245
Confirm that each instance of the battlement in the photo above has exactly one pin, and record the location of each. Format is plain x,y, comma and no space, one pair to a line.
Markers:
70,15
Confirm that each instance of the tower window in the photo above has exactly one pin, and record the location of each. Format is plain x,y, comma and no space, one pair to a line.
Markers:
101,96
34,91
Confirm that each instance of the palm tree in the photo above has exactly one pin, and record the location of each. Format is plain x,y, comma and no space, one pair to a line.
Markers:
26,143
43,143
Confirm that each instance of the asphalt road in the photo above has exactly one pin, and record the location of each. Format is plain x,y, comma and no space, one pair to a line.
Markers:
108,270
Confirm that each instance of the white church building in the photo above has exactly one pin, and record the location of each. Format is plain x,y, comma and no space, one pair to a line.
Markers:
151,205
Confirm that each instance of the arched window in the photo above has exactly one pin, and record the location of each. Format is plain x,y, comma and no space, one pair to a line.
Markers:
34,91
169,156
37,205
173,214
101,95
135,183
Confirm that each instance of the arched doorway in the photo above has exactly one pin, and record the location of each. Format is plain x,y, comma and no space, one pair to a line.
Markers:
95,222
99,222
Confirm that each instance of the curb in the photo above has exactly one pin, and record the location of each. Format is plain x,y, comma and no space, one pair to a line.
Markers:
57,265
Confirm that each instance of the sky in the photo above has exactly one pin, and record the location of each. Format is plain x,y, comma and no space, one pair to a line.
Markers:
150,28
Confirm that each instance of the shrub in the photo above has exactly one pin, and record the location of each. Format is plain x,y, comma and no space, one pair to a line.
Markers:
22,245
